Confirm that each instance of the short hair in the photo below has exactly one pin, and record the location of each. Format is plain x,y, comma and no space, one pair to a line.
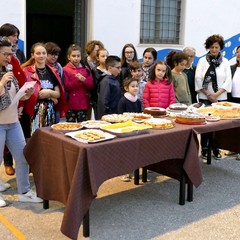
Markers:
128,81
52,48
112,60
135,65
9,29
91,45
4,42
214,38
152,51
73,47
189,49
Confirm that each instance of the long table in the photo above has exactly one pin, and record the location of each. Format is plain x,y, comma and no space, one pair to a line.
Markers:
71,172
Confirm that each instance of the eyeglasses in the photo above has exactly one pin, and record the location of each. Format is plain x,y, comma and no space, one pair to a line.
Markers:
191,56
129,52
6,54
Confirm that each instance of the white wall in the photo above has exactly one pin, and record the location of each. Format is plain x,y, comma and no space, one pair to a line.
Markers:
116,23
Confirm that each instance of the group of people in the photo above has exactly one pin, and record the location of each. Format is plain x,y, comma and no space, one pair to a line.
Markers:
99,84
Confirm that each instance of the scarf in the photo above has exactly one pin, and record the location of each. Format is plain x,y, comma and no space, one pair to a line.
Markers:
210,75
130,97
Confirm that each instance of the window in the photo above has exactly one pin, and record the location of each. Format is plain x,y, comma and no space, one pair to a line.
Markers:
160,21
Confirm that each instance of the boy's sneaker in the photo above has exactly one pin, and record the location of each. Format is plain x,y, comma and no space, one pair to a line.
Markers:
238,157
4,185
30,196
2,202
204,153
125,178
217,154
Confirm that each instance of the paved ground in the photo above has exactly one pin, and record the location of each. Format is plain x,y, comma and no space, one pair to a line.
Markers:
151,211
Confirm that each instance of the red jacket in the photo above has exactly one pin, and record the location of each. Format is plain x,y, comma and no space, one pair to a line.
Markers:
78,98
158,94
17,71
31,74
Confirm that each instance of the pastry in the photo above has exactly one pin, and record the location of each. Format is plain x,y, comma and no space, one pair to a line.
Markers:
160,123
190,118
178,106
155,111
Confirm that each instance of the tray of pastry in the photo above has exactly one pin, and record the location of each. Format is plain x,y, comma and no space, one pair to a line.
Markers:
90,136
66,126
128,128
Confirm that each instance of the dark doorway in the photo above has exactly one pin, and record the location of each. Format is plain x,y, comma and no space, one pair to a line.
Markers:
50,20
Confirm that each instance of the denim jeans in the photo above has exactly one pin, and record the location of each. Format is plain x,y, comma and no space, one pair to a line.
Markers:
12,136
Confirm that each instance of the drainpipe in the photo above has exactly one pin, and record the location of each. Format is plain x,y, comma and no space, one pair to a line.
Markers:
80,23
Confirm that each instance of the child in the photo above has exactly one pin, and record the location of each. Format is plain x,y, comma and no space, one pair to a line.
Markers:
130,102
78,81
149,58
109,88
177,61
159,90
137,73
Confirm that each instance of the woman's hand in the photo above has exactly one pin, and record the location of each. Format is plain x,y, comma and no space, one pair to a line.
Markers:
28,94
7,77
44,93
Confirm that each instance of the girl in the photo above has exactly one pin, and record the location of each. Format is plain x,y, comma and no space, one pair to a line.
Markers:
78,81
48,95
129,54
159,90
11,132
130,102
149,58
177,61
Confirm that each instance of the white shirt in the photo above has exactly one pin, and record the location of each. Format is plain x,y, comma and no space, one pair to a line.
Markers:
236,84
224,79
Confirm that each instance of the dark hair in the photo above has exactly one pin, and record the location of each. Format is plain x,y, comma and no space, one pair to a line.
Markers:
91,45
214,38
135,65
167,76
237,62
127,82
123,58
152,51
73,47
4,42
8,29
174,57
112,60
52,48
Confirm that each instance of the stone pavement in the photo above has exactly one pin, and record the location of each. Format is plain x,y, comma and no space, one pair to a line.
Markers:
124,211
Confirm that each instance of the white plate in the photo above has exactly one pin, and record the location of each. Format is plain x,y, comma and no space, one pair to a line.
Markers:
94,123
66,126
107,136
212,118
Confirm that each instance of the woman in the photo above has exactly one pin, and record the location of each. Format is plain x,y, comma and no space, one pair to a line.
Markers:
234,96
212,81
11,132
12,33
48,95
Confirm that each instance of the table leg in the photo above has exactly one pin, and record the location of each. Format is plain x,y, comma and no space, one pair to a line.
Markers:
45,204
86,230
209,153
144,175
136,177
182,189
190,192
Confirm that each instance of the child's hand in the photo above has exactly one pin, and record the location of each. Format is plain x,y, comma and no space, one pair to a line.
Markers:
80,77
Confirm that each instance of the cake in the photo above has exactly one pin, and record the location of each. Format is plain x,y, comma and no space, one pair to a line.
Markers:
178,106
155,111
190,118
138,116
226,110
160,123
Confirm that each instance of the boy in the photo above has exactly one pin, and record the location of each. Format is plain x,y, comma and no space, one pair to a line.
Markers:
137,73
109,92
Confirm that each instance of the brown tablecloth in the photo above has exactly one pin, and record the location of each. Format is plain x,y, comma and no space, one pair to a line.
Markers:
71,172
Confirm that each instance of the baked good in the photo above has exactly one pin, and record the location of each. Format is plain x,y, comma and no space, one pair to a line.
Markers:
160,123
226,110
155,111
190,118
90,135
138,116
116,118
66,126
178,106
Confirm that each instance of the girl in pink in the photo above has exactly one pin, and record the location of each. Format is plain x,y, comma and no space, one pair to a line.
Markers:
159,91
78,81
